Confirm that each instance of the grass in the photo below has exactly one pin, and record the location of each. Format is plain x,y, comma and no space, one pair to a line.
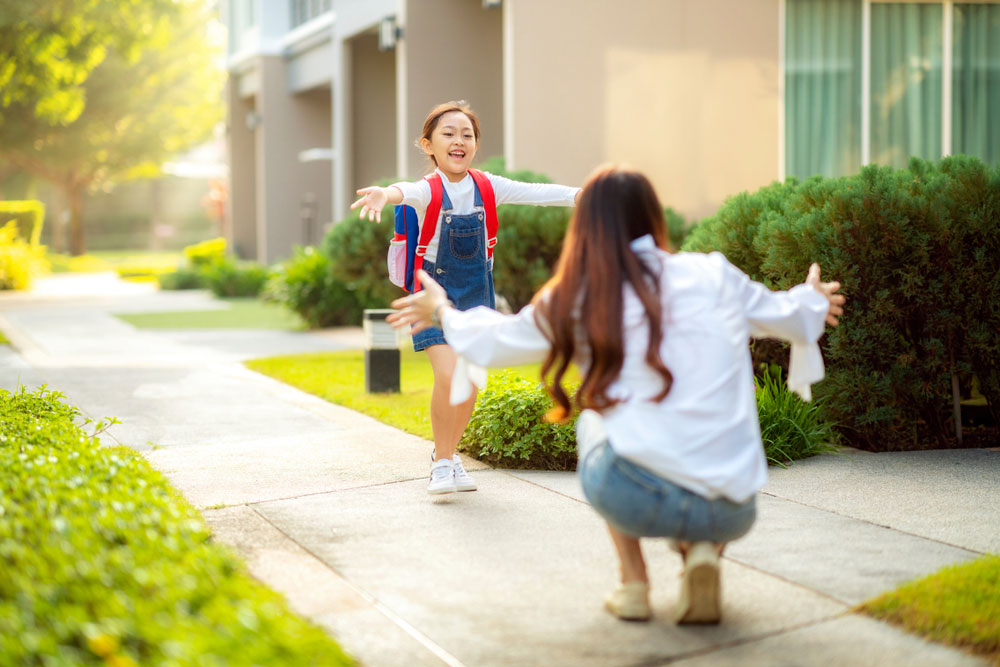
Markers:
958,605
339,377
241,313
125,262
3,339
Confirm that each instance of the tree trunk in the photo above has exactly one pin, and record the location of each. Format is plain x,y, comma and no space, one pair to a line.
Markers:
77,240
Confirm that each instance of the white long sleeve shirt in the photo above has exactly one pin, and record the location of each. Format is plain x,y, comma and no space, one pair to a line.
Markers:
463,198
705,435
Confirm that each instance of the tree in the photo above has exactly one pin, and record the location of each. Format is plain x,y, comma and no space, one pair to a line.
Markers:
139,110
47,49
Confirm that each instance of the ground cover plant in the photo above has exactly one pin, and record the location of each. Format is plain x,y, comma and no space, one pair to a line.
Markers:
103,563
958,605
3,339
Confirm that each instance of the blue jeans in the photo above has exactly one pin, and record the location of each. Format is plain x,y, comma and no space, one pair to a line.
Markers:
638,503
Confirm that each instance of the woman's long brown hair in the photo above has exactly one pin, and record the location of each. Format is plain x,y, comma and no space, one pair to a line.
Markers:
585,295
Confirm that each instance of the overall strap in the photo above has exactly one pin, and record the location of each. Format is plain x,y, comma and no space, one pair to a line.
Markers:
430,224
485,189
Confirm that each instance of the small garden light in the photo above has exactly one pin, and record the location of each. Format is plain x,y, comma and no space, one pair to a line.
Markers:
381,353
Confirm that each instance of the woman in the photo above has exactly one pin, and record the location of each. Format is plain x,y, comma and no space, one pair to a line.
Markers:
669,441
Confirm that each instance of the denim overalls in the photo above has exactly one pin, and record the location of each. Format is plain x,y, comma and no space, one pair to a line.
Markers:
462,266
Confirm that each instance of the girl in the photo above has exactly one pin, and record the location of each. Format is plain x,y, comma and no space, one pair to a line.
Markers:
669,441
458,255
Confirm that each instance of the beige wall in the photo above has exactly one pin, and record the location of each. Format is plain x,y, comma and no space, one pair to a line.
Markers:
241,213
373,111
685,91
451,50
290,123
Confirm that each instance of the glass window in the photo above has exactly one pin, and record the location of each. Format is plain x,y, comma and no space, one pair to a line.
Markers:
975,84
822,87
906,50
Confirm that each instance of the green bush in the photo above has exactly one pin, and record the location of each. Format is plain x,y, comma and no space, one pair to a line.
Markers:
28,217
228,277
916,250
529,240
357,251
102,563
183,278
790,428
306,284
206,253
507,430
20,261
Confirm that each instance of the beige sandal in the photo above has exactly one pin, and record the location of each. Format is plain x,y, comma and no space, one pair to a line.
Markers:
630,601
699,598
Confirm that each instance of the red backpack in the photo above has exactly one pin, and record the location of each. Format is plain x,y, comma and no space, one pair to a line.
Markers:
407,250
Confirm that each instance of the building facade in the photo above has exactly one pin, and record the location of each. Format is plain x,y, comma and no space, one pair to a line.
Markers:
708,98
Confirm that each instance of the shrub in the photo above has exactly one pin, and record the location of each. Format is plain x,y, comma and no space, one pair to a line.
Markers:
206,253
790,428
306,284
229,277
20,261
357,249
28,217
529,240
507,430
102,563
183,278
916,251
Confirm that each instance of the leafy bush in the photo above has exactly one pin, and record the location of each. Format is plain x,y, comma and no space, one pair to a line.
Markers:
206,253
183,278
19,260
507,430
229,277
357,249
102,563
306,284
529,240
790,428
916,251
28,217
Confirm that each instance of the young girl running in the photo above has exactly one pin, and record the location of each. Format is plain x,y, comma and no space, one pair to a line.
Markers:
458,255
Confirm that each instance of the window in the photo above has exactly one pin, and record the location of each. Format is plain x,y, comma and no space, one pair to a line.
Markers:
306,10
869,81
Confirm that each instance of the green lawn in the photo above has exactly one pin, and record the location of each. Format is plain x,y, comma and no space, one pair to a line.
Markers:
339,377
123,261
958,605
242,313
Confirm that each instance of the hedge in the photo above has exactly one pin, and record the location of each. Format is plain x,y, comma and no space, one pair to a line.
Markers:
102,563
28,215
916,250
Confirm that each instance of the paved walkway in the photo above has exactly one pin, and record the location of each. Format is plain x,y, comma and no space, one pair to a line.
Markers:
329,507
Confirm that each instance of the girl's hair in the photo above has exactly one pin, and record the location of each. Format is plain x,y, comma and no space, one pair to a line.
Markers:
440,110
585,296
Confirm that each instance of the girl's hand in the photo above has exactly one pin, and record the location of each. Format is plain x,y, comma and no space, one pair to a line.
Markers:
419,309
372,201
828,290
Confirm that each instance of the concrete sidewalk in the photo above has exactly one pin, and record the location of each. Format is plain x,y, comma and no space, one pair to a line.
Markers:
329,507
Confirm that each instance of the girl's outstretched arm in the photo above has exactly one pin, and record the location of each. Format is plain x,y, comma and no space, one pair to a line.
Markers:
374,199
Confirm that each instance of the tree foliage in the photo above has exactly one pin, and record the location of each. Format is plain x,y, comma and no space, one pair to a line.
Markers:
145,101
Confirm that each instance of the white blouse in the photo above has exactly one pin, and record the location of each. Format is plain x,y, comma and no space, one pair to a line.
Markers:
463,198
705,435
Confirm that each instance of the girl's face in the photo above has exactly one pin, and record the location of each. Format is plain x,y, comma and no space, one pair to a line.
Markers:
452,145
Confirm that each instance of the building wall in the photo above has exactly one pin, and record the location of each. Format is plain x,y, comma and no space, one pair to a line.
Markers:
373,112
242,205
687,92
450,50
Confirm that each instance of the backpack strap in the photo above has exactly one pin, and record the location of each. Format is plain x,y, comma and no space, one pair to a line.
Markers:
430,224
489,206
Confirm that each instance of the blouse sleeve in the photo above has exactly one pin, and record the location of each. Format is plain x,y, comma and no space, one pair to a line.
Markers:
483,337
417,194
797,316
539,194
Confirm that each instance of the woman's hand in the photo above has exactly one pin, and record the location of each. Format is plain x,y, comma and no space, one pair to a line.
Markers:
372,201
419,309
829,291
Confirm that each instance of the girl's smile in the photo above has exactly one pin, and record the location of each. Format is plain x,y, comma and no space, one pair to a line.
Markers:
452,145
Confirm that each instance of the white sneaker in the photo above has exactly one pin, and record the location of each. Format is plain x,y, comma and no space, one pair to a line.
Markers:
463,481
442,477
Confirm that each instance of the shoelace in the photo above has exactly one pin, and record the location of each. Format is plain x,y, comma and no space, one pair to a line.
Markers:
440,472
